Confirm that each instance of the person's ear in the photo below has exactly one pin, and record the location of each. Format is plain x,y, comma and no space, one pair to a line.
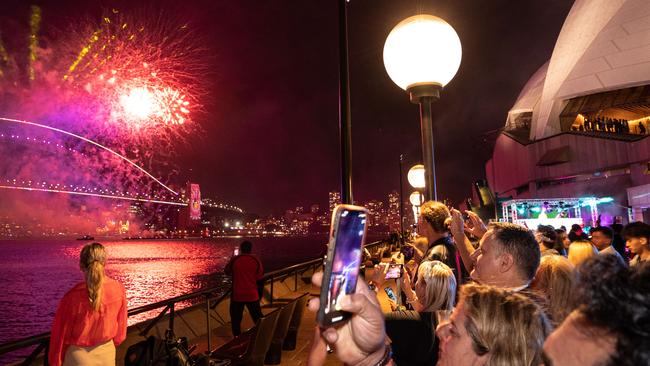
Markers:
506,261
644,241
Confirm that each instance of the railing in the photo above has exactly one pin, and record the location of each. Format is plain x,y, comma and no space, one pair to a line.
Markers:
41,341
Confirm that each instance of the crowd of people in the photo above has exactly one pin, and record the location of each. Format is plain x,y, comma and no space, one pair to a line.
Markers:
542,297
607,124
475,294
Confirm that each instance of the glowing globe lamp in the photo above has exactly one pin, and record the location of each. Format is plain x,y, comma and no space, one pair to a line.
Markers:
416,198
422,49
421,55
415,176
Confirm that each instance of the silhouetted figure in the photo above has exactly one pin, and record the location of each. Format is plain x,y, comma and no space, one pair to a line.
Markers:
641,128
601,124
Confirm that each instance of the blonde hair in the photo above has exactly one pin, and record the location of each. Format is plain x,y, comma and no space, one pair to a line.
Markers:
92,261
437,215
555,279
581,250
507,327
440,283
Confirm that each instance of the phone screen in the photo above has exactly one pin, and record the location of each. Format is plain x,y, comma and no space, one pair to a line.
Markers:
394,271
348,238
390,294
236,251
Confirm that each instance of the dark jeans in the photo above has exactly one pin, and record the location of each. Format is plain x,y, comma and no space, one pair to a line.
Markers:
237,312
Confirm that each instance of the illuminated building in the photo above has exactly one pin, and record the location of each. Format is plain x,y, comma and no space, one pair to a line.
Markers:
392,214
334,200
579,127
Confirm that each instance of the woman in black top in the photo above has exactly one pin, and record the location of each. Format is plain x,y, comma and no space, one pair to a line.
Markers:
412,332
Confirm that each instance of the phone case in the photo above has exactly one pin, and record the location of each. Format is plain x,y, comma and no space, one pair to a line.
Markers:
332,317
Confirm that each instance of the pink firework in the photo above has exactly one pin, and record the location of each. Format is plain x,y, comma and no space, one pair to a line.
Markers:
142,76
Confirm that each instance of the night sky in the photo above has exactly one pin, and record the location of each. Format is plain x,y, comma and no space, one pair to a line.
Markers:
270,139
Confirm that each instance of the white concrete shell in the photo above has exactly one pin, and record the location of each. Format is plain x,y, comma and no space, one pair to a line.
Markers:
603,45
529,96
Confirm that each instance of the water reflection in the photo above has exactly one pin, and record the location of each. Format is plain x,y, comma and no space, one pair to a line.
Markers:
36,274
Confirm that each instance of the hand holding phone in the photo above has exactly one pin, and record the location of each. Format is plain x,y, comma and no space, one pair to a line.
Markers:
394,271
347,235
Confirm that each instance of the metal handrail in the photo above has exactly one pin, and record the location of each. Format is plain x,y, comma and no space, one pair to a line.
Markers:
42,340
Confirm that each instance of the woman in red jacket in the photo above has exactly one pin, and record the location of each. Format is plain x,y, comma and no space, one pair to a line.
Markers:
91,318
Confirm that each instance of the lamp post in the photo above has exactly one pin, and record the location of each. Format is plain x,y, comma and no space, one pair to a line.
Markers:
421,55
416,179
401,201
416,200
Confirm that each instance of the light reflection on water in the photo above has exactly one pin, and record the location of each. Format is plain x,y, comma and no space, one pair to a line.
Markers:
34,275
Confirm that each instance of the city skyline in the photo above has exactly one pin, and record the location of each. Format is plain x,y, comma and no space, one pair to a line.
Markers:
269,113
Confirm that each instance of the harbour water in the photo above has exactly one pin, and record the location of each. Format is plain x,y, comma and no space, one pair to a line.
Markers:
35,274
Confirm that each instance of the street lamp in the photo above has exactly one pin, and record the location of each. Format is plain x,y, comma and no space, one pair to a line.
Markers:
421,55
416,177
416,200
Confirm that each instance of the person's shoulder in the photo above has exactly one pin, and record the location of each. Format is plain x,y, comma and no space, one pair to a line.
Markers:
402,315
114,284
75,292
79,287
248,259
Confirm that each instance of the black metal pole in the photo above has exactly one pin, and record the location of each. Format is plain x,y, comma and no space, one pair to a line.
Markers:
424,95
401,200
428,155
345,117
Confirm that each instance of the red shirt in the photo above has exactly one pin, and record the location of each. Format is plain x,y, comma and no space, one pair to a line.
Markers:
246,269
76,323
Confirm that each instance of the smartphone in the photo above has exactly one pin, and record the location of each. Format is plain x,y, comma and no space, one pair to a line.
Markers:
235,252
390,294
347,236
394,271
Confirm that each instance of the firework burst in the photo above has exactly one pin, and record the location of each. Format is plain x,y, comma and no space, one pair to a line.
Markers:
144,75
133,81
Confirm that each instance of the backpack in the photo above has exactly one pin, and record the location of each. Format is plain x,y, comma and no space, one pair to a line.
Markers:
150,352
171,351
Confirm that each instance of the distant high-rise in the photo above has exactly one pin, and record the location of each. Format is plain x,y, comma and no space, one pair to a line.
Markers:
392,214
334,199
376,212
